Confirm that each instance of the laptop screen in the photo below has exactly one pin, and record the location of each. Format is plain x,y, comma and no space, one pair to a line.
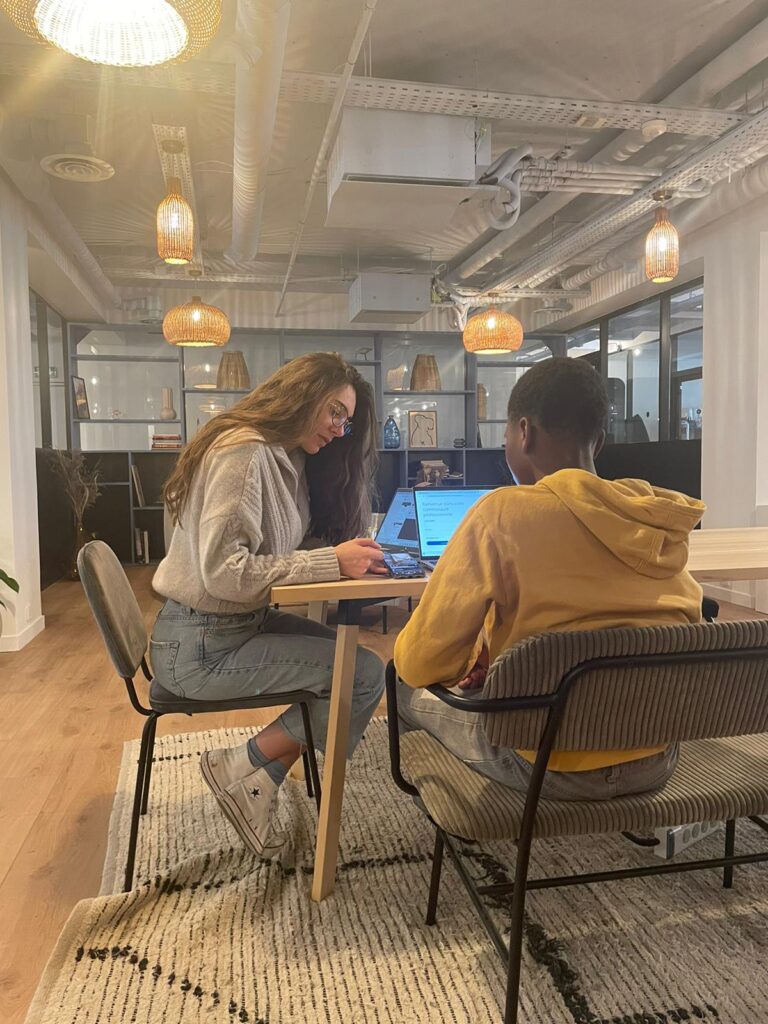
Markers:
398,529
439,511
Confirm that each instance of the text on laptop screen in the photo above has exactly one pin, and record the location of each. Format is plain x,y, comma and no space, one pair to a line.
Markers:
398,530
439,512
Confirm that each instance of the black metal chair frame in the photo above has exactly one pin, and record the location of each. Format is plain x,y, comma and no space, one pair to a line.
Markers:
556,703
172,704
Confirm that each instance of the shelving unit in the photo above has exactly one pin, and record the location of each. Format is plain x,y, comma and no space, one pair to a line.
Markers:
130,365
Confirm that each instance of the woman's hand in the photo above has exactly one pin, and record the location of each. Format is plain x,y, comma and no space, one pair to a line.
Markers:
359,556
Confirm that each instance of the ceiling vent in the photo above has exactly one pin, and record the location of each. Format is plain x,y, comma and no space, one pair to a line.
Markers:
546,315
391,169
82,167
146,310
389,298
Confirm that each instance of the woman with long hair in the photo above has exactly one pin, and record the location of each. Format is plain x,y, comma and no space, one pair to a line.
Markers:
275,490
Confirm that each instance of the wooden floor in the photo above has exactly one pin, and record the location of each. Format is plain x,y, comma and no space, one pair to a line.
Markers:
64,718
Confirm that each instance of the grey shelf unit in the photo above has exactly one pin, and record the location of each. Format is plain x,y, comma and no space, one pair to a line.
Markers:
117,513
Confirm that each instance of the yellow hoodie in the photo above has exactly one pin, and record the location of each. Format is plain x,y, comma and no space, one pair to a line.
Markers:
570,552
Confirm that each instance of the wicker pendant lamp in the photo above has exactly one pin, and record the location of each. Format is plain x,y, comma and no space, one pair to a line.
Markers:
136,33
196,324
662,247
175,226
492,332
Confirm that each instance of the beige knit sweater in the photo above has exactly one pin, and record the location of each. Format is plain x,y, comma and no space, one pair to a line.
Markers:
246,515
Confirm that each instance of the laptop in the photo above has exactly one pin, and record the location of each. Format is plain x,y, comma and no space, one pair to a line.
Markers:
439,510
398,532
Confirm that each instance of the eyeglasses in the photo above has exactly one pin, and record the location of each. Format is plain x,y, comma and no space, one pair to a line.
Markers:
339,417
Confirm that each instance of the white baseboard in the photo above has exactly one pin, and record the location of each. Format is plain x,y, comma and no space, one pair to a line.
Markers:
15,641
740,597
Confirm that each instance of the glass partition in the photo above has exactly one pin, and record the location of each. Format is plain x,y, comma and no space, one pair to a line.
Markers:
687,356
634,347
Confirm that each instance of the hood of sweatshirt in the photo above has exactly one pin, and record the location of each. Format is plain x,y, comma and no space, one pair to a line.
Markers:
645,527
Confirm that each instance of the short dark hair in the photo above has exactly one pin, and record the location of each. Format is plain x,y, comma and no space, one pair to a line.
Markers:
562,394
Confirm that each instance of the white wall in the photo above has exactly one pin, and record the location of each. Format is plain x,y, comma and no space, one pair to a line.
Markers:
19,550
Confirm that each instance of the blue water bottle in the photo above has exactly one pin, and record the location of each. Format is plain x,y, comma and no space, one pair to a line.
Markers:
391,434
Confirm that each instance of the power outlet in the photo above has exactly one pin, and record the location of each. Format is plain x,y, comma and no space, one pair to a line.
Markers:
674,840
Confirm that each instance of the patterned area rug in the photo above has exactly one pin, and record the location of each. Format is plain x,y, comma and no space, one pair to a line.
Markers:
211,934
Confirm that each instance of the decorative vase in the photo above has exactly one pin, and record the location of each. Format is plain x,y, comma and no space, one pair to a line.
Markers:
81,539
425,376
396,377
167,412
482,402
391,434
233,373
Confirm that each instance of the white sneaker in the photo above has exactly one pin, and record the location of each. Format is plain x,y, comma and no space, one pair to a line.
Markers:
246,795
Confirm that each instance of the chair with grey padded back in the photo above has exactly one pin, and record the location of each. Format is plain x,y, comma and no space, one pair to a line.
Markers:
121,624
704,686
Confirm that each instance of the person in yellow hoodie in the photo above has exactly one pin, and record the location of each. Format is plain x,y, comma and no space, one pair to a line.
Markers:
563,550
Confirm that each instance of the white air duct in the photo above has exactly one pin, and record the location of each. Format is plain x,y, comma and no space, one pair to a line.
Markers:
260,40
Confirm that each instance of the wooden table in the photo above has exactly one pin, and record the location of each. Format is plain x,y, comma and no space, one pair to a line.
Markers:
714,555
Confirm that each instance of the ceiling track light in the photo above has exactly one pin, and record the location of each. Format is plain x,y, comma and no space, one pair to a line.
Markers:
493,332
139,33
662,245
196,324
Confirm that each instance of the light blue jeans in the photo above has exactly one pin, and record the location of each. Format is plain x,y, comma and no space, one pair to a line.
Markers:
463,734
223,657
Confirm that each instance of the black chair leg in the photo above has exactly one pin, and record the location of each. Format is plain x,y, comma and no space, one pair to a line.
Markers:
148,763
730,846
310,754
307,774
434,882
137,798
384,623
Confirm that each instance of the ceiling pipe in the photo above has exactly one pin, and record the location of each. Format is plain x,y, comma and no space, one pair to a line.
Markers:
261,38
327,140
746,52
725,198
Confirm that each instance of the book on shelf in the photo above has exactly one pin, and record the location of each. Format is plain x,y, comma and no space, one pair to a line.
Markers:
137,485
145,545
137,543
166,442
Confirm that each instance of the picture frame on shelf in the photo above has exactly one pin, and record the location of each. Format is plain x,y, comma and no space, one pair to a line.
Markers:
80,399
422,428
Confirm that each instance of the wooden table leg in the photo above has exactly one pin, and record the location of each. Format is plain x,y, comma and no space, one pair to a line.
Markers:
318,611
335,766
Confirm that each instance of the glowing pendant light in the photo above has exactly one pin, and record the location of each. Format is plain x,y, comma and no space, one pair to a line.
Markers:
492,332
196,324
662,247
175,226
121,33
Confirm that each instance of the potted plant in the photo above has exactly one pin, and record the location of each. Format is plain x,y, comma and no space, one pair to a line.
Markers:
13,585
81,486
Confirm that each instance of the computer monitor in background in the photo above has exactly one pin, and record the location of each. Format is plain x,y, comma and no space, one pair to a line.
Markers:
398,531
439,510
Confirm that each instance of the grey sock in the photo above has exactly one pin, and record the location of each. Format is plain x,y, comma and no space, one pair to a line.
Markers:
276,770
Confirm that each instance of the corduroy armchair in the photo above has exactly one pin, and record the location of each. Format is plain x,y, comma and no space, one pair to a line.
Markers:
704,686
